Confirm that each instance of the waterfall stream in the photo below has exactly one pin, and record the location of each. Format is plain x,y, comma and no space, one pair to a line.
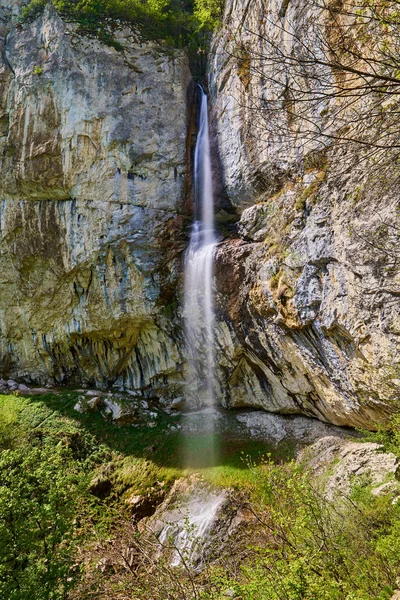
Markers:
190,525
199,309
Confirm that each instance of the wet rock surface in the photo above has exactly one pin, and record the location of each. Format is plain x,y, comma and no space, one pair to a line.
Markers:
258,425
193,522
239,425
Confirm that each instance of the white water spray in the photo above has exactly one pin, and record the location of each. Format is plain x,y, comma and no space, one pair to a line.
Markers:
199,309
190,525
193,523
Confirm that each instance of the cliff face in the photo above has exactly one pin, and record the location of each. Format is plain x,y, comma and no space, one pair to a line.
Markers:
93,164
93,160
308,310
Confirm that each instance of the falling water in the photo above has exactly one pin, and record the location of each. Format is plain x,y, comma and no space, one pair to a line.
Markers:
189,527
199,309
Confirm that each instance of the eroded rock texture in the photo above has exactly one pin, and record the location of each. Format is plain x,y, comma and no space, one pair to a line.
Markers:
309,316
93,174
93,159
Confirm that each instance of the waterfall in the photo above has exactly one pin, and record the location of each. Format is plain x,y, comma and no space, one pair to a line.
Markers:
188,528
199,309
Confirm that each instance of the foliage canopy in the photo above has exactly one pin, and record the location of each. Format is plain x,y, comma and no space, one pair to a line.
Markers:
180,22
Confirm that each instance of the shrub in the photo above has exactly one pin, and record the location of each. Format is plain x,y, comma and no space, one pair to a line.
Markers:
38,502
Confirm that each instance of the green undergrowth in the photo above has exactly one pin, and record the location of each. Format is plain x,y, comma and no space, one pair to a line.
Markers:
305,546
67,479
388,437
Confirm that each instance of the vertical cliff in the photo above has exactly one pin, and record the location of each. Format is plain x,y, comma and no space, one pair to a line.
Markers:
93,190
309,308
93,164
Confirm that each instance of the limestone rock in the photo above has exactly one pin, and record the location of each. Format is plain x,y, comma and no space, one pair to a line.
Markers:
38,391
144,506
94,403
348,463
93,169
308,314
192,522
80,406
294,432
91,404
23,388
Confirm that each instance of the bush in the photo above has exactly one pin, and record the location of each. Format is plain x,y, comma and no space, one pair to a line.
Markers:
307,547
38,502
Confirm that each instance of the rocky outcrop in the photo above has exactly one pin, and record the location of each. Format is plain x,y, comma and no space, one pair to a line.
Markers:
93,157
193,523
341,464
308,305
92,194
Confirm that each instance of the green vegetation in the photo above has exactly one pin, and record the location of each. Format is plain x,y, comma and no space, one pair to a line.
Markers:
306,547
43,478
177,22
66,478
310,192
38,70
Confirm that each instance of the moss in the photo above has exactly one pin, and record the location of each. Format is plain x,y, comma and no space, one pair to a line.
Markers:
317,160
356,196
37,71
310,192
106,37
274,281
244,64
169,311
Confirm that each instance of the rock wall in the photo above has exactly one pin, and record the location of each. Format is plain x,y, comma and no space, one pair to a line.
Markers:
94,213
308,306
92,199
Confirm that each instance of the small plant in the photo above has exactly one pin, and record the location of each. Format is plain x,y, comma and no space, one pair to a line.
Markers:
310,192
37,70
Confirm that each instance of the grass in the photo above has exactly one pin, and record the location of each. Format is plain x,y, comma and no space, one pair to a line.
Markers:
137,458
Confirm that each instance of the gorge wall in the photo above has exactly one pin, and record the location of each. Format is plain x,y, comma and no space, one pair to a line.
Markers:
94,160
309,308
93,164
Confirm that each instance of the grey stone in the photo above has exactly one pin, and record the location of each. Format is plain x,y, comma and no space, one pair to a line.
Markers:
350,463
98,201
95,403
178,404
305,324
23,388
